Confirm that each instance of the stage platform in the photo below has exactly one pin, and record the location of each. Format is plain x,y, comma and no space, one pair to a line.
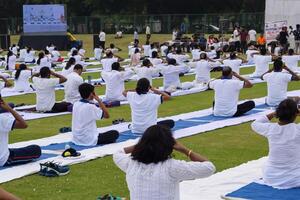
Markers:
39,42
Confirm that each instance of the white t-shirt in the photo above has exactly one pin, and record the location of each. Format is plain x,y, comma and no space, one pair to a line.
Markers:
236,36
282,169
203,71
147,50
2,85
55,55
45,62
97,53
45,92
226,96
65,72
155,61
148,30
115,85
163,50
6,125
249,52
107,62
15,50
135,35
29,57
22,83
233,64
12,62
180,58
252,35
102,36
77,59
277,87
291,62
261,64
72,87
81,52
159,181
146,72
143,110
84,127
171,75
195,54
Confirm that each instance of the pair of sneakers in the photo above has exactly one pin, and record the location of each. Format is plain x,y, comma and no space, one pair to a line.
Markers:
51,169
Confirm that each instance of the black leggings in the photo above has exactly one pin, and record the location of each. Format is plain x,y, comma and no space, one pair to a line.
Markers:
169,123
108,137
60,107
244,107
23,155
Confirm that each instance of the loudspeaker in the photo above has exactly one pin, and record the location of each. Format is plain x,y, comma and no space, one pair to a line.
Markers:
4,41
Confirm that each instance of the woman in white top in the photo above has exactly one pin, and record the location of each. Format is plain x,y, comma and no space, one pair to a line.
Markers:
152,173
291,60
146,71
22,77
11,61
29,55
203,69
144,106
282,169
68,69
43,61
135,58
76,56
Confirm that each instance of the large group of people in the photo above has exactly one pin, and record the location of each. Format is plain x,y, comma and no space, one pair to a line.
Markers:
151,172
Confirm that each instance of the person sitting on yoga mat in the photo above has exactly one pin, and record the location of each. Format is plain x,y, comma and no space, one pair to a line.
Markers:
69,67
72,85
227,92
45,91
152,173
4,195
22,77
146,70
278,81
282,169
13,156
261,63
115,82
85,115
144,106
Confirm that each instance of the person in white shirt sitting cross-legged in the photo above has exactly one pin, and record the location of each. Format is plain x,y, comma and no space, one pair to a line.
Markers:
152,173
227,92
282,168
277,82
74,80
84,117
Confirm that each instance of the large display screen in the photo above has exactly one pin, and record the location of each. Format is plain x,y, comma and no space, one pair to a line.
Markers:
44,18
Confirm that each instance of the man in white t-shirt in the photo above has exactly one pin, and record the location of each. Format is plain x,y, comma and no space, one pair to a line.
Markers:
9,156
148,33
147,49
74,80
233,62
261,63
146,71
115,82
45,91
84,116
102,39
144,106
291,60
277,82
237,38
250,53
108,61
227,92
252,36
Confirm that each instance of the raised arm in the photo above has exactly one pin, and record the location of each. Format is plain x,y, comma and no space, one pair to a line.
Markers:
295,77
62,79
247,83
189,153
102,106
163,94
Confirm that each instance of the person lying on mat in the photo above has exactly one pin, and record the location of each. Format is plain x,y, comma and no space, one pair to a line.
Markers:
74,80
45,91
4,195
277,82
227,92
144,106
13,156
84,117
152,173
115,82
282,169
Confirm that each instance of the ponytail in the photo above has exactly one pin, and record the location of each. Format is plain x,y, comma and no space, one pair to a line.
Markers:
21,67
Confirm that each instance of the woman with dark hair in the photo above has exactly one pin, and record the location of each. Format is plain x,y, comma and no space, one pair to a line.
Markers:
76,56
22,77
282,169
42,61
29,55
69,67
11,61
152,173
144,106
135,58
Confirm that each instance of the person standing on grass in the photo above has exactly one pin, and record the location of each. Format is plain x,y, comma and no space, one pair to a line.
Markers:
148,33
84,117
227,92
102,36
144,106
152,173
277,82
14,156
282,169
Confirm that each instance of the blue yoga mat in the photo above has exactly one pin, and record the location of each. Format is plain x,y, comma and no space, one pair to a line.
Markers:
257,191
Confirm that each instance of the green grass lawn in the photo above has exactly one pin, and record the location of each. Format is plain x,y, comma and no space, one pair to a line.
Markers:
226,147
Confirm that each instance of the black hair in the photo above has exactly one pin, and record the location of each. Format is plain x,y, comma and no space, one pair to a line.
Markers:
46,51
203,56
18,72
154,54
45,72
172,61
75,52
291,52
78,67
86,90
232,55
146,62
226,71
109,54
178,51
29,49
156,145
136,50
41,55
263,51
202,47
278,64
70,62
142,86
116,66
212,48
112,46
9,53
287,110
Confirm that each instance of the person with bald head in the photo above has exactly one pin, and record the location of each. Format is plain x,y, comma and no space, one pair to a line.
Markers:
227,92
